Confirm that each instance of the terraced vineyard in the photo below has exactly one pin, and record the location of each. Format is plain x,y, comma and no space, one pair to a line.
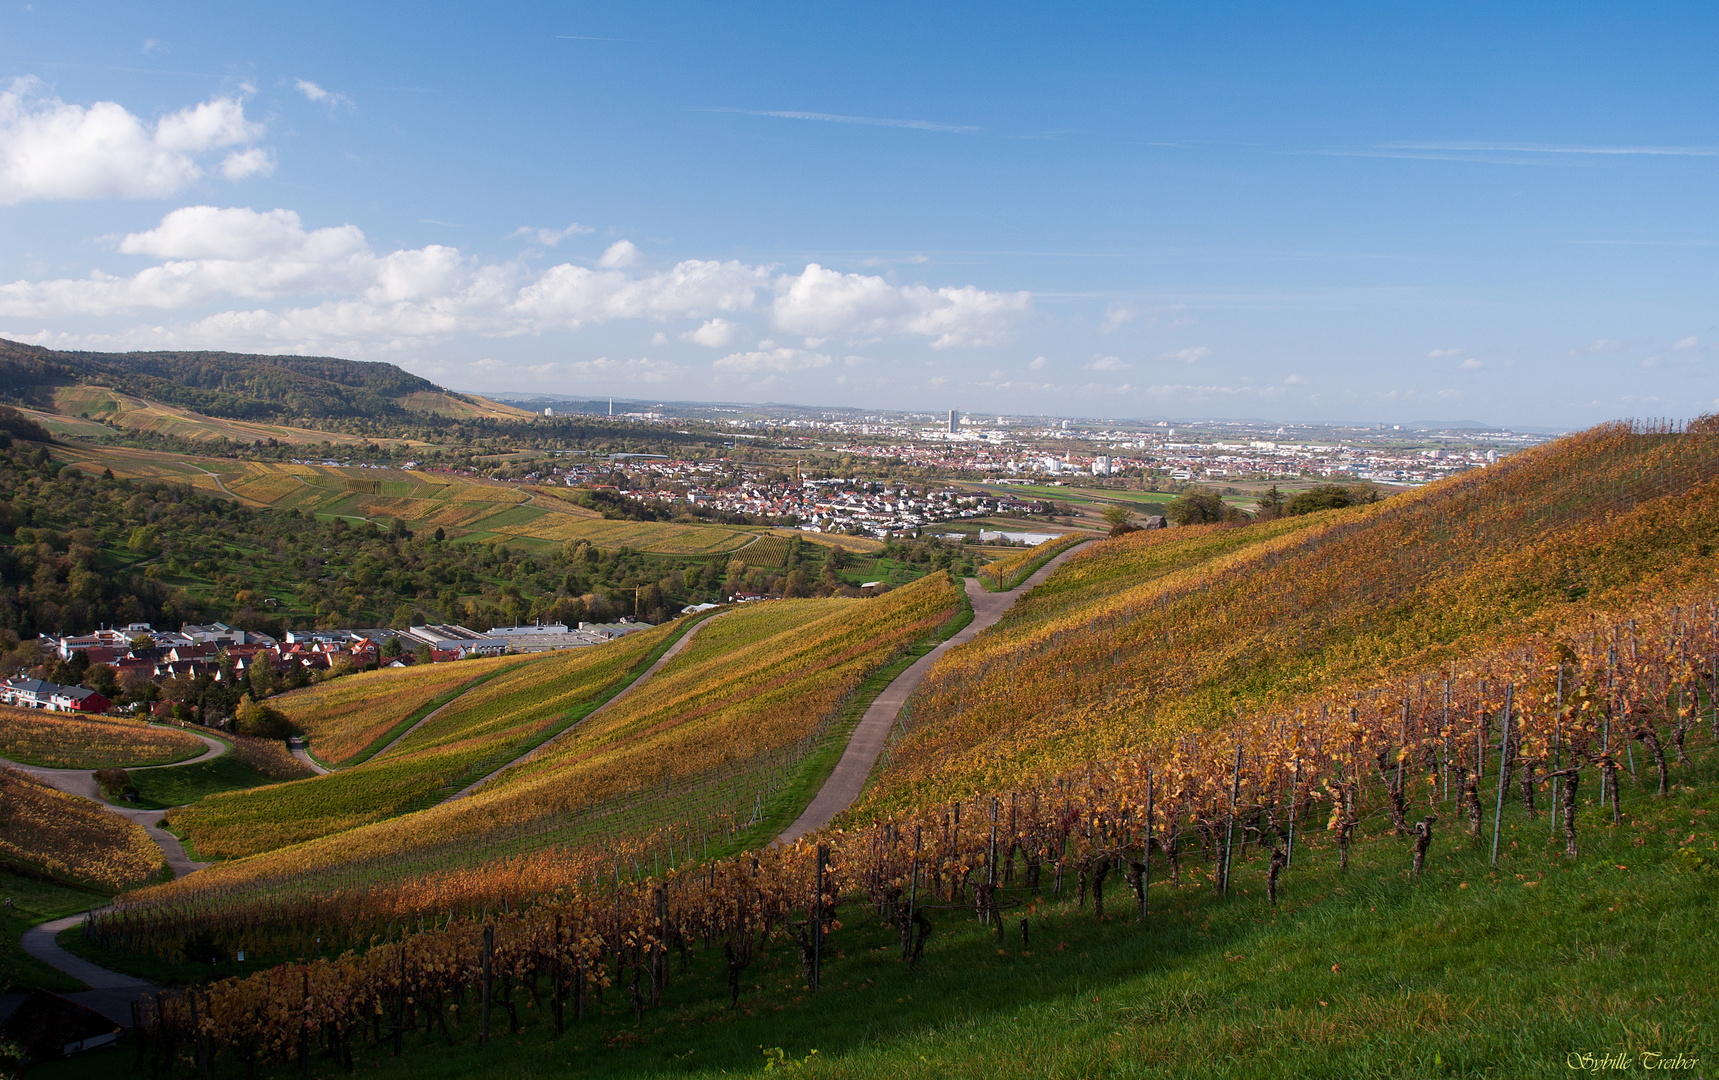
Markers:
70,741
735,711
520,704
348,718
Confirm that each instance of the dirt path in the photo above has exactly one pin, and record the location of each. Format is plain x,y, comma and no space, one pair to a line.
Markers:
872,732
317,767
673,651
110,993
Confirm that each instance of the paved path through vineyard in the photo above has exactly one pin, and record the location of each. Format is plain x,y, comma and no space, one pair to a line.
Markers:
109,993
872,732
673,651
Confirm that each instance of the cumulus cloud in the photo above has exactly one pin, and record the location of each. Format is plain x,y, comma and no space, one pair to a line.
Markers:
570,296
305,288
780,361
1603,345
714,334
1687,343
820,303
1108,363
551,237
1188,355
322,97
1295,380
50,149
1039,363
1440,354
620,254
1471,364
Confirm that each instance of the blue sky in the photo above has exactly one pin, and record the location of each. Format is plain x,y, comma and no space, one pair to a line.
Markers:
1294,212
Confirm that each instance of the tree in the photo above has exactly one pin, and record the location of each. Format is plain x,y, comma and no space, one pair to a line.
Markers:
392,647
795,585
1271,503
261,721
1197,507
423,655
1330,497
1120,518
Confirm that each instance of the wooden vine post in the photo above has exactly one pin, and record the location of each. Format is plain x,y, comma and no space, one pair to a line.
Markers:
488,953
818,915
1146,849
1230,826
1503,771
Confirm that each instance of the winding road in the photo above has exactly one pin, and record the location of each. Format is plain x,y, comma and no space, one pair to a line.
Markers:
871,734
110,993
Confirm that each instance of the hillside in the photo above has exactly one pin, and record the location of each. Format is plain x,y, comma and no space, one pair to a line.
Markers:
294,390
728,721
1155,634
1279,790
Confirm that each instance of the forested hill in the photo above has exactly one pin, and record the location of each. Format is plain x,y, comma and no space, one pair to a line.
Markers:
239,386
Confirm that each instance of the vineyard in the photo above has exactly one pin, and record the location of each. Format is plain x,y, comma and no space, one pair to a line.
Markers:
1515,671
348,719
70,741
517,706
54,835
693,755
1174,631
1009,571
1557,730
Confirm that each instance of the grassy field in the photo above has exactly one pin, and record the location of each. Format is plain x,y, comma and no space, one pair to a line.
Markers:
28,901
158,789
69,741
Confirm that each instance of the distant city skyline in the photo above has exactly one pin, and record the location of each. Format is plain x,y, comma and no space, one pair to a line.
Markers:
1333,213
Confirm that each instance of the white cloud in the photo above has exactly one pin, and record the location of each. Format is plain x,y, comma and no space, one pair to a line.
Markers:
1439,354
570,296
551,237
781,361
641,370
714,334
322,97
1295,380
821,303
1108,363
53,150
621,254
1603,345
323,289
1039,363
1687,343
1115,317
243,164
1471,364
1188,355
